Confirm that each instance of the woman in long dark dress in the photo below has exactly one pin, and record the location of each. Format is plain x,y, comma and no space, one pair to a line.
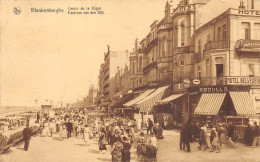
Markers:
248,136
126,150
102,142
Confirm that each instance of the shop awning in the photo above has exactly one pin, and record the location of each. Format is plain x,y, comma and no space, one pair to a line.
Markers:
119,103
209,103
242,103
147,103
169,99
138,98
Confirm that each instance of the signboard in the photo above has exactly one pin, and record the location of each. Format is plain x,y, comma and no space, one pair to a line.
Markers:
223,89
248,12
242,81
196,81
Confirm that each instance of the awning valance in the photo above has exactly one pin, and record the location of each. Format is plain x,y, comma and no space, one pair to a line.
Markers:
169,99
138,98
243,103
147,103
209,103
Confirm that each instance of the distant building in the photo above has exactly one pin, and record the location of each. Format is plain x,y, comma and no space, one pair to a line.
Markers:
114,62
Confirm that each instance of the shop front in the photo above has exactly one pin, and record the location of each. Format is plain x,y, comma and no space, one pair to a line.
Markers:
224,104
169,111
145,106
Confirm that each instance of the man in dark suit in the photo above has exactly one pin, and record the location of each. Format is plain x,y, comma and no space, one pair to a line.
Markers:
27,133
69,128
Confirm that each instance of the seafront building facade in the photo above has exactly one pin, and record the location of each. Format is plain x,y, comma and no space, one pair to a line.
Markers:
196,63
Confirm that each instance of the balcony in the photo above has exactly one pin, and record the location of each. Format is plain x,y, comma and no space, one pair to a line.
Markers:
151,44
186,49
248,47
150,66
216,45
164,26
212,81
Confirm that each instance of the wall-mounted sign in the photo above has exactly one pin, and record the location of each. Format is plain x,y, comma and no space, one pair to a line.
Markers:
223,89
213,89
196,81
242,81
248,12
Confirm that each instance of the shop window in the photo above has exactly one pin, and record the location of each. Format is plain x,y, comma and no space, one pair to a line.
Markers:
245,26
257,31
224,32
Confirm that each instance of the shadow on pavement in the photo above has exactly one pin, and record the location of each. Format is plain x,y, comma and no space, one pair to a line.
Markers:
80,144
94,151
104,159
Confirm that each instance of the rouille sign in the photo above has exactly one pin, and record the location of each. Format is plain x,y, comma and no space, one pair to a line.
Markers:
249,12
223,89
243,81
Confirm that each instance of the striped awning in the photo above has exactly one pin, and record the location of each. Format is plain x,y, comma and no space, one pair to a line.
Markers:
243,103
169,99
147,103
139,98
209,103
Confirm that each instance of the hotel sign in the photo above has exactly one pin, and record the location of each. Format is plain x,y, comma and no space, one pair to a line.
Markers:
249,12
243,81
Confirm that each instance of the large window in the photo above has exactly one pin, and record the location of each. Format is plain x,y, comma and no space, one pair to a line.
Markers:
182,34
219,34
257,31
141,62
208,38
199,72
245,30
224,32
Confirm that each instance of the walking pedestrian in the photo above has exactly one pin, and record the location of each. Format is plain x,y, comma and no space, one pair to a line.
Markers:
248,136
255,134
69,128
231,130
27,133
150,125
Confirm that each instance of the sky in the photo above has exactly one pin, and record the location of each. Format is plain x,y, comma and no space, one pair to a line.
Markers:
49,56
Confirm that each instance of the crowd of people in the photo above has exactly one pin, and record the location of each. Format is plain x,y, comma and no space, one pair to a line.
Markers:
119,134
219,134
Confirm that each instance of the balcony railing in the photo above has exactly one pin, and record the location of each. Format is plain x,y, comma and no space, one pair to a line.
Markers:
216,45
151,65
186,49
230,80
151,43
212,81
